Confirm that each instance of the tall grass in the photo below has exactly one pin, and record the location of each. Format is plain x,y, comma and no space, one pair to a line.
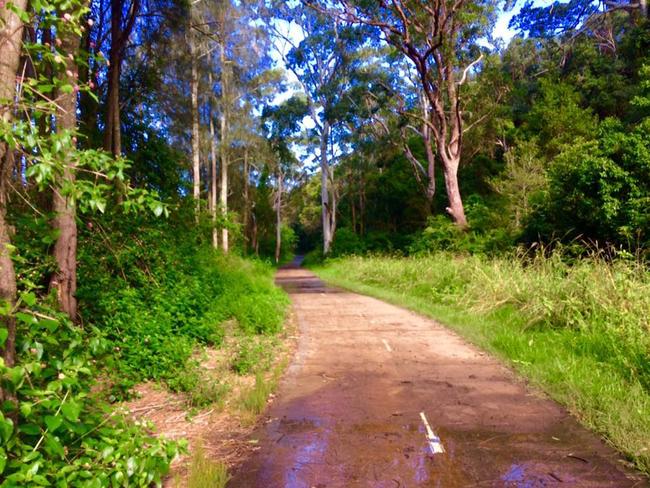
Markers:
204,472
580,331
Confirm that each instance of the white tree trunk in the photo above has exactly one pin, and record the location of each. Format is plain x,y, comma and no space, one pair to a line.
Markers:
213,184
196,160
326,204
223,197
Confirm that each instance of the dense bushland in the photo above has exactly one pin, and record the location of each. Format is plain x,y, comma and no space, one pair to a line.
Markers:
581,331
151,292
156,289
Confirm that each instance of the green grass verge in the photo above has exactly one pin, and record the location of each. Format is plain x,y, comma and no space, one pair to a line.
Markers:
580,333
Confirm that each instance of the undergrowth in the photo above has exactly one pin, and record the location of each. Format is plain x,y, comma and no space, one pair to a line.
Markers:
579,331
158,292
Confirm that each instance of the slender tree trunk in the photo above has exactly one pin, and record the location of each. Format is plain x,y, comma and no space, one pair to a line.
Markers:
11,32
119,38
245,217
431,160
362,206
223,197
112,131
326,204
255,243
353,215
7,272
87,104
225,140
64,280
213,180
278,220
196,158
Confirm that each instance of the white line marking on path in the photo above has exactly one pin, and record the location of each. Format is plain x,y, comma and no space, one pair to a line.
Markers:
434,441
388,348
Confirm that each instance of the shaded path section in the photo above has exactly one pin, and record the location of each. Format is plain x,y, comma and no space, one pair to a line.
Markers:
348,412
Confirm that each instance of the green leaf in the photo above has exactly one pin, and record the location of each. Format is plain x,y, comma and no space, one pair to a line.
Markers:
16,375
53,446
158,209
71,410
53,422
4,333
26,409
29,429
29,298
130,466
3,460
6,428
26,318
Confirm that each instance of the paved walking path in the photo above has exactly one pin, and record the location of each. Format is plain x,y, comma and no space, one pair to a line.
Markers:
378,396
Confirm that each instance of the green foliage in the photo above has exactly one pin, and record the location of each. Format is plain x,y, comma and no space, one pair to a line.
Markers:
156,289
253,354
600,190
347,242
557,117
484,236
58,432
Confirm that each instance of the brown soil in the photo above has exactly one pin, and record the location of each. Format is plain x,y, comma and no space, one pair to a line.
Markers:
348,412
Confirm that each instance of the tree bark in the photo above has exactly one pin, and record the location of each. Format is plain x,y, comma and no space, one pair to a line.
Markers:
225,140
7,272
278,220
64,280
431,157
246,218
213,179
119,39
326,202
11,32
223,196
455,208
196,158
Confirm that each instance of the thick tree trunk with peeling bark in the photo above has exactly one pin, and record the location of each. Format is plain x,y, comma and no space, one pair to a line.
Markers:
64,280
11,32
455,208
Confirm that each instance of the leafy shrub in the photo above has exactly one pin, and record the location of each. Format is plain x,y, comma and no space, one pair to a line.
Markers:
346,242
57,432
600,190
